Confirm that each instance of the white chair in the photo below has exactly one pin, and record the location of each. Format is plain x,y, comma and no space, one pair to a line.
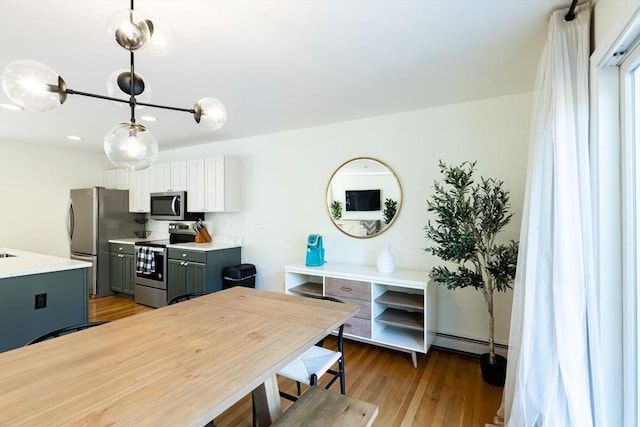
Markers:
314,363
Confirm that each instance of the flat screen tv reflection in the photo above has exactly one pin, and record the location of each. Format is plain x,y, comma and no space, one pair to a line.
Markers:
362,200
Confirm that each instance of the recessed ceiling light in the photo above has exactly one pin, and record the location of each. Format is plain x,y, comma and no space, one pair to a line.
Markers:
11,107
74,138
149,119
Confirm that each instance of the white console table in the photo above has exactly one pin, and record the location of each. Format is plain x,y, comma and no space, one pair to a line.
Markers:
397,310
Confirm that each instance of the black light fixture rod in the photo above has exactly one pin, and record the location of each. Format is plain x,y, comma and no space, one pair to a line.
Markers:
571,15
125,101
93,95
132,99
166,107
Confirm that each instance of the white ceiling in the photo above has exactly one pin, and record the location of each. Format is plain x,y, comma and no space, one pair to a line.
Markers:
276,65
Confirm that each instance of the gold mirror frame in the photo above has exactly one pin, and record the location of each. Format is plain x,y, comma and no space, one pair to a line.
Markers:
363,173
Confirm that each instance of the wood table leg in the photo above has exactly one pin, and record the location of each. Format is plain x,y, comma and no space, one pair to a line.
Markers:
266,399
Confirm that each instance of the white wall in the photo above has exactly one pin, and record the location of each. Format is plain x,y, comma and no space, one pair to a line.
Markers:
607,13
34,194
285,177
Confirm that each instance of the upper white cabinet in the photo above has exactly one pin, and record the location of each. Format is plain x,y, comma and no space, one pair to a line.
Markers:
109,179
139,200
213,184
168,177
117,179
195,185
179,176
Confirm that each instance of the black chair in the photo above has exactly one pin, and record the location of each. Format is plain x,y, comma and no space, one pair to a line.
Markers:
185,297
64,331
315,362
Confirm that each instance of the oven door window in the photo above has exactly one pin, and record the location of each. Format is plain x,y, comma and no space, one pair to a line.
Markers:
155,273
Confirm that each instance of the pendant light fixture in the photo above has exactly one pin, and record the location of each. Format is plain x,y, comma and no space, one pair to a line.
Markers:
129,145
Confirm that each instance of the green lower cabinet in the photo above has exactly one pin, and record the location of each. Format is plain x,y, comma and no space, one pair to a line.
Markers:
195,277
198,271
184,277
122,266
128,272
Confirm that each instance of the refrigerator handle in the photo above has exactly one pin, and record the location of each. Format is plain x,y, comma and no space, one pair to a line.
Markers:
70,221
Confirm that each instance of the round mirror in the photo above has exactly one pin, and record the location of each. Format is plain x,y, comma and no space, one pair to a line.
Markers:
363,197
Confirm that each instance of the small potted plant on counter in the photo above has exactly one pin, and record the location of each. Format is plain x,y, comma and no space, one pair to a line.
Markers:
468,218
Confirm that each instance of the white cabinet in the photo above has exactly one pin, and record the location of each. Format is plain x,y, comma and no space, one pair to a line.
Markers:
397,310
109,179
117,179
159,177
178,176
213,184
195,186
139,200
168,177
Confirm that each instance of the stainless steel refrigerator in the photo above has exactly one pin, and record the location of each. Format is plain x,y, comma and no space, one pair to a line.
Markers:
96,215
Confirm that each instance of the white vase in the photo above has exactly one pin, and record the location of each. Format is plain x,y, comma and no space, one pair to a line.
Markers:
386,263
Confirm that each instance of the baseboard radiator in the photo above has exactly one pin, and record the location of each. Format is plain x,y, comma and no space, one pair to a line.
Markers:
466,345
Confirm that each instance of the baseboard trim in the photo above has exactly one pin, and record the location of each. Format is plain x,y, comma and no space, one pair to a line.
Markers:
466,345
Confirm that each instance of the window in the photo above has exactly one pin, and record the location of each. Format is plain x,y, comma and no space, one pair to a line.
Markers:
630,134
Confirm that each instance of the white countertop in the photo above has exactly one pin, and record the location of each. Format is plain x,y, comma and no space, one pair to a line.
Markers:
210,246
25,263
366,273
131,240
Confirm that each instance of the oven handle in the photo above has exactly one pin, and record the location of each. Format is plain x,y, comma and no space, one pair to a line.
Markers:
152,248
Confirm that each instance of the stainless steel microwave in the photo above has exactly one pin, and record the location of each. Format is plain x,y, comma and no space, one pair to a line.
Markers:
172,206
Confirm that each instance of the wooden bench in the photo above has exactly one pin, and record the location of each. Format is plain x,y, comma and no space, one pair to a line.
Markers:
318,407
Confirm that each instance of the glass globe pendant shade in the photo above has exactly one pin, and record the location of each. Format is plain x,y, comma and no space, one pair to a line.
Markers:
129,29
115,91
131,146
210,113
161,40
33,85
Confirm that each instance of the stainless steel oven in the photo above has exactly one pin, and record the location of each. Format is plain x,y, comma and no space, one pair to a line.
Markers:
150,284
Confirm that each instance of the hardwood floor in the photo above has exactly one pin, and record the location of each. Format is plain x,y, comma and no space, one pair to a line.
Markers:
445,390
112,308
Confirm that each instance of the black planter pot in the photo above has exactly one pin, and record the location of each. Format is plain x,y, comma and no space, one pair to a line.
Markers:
493,374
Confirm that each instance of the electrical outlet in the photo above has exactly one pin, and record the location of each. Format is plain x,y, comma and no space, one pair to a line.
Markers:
259,225
41,301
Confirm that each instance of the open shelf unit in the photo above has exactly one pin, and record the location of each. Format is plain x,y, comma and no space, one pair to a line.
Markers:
402,319
401,300
308,289
397,310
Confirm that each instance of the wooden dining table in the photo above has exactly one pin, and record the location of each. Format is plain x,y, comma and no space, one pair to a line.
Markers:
180,365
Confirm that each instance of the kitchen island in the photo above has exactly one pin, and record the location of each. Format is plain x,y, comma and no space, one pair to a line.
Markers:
39,293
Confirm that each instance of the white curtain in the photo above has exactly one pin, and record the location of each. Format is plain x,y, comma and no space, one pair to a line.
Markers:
553,366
